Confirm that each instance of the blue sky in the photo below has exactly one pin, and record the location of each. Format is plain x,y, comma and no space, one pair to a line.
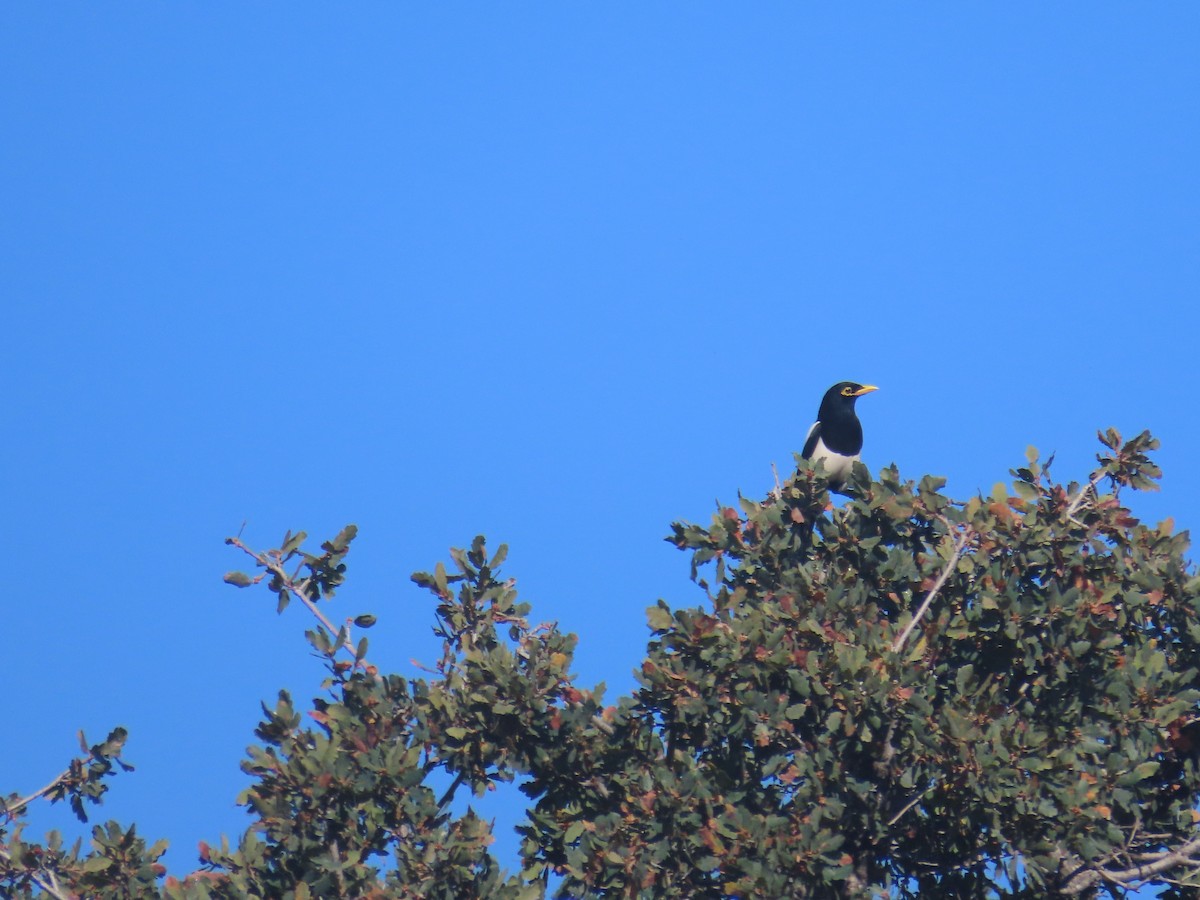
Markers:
556,274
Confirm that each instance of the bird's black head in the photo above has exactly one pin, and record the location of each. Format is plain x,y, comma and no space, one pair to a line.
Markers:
841,397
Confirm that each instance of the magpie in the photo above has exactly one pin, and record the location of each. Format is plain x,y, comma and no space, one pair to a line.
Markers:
836,437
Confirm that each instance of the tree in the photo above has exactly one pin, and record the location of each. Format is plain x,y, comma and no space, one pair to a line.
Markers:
904,695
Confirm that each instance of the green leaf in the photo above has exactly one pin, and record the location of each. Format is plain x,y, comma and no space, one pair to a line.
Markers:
1145,770
659,617
917,650
1024,490
341,542
291,542
238,579
963,678
499,558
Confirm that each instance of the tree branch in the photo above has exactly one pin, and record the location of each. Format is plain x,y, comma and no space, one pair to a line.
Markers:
911,803
960,544
11,810
1165,861
299,591
452,790
1083,876
1082,494
50,887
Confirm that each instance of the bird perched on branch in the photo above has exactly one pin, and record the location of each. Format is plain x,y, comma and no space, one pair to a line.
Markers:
836,437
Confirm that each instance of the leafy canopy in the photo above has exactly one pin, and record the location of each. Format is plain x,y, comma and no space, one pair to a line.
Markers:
904,695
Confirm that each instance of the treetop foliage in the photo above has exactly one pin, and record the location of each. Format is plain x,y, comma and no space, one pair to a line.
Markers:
903,695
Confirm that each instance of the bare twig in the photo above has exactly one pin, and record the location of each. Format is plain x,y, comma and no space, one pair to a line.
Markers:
12,809
1179,883
778,492
53,880
1082,493
452,790
960,544
338,871
910,804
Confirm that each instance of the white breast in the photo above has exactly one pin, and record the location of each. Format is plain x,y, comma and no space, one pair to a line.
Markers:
837,467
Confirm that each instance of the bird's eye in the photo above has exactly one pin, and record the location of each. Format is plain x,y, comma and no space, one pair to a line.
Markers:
847,392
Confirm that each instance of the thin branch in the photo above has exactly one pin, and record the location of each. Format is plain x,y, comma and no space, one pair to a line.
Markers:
778,492
910,804
960,545
1084,877
1168,859
53,882
452,790
1178,883
11,809
299,591
883,764
50,887
1082,493
338,872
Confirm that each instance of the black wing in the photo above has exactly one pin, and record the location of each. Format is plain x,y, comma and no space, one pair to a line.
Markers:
810,444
